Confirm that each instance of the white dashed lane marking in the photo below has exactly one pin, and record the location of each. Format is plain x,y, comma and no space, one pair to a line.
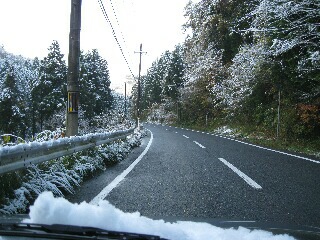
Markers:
199,144
246,178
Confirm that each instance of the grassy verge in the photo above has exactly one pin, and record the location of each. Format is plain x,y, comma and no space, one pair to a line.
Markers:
309,147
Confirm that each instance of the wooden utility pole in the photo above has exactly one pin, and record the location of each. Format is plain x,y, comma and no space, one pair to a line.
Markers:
125,100
278,119
73,69
139,87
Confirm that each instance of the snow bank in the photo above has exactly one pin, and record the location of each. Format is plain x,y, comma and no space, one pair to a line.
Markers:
50,210
65,174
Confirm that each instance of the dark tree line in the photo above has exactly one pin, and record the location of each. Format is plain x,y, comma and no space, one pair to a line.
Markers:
33,92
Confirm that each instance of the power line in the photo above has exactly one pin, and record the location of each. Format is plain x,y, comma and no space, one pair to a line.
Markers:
114,12
114,34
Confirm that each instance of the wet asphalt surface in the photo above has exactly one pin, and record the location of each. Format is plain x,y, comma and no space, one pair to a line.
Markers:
182,179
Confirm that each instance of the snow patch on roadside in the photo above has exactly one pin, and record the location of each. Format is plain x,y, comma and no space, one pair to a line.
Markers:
50,210
223,130
226,131
65,174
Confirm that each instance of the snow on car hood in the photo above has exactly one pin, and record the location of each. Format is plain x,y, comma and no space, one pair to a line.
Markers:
50,210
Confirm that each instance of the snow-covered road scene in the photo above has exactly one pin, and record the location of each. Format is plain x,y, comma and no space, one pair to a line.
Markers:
148,119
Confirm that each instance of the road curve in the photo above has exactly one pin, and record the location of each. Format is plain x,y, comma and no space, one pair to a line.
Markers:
192,174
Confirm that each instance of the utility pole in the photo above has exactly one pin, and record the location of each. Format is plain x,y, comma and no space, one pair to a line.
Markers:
139,87
278,122
125,100
279,87
73,69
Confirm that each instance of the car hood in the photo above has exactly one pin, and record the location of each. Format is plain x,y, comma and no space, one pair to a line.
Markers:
301,232
297,231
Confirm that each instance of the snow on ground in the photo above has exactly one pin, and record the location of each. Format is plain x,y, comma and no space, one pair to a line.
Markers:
50,210
224,130
59,178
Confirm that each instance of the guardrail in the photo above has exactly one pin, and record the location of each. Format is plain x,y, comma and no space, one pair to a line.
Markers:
22,155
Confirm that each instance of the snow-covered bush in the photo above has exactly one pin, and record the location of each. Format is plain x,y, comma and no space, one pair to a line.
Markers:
10,139
47,135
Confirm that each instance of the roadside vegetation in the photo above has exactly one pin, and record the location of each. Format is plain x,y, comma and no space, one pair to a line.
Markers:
253,66
33,93
61,176
32,108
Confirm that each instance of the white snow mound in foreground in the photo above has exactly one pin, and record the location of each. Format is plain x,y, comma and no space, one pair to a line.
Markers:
50,210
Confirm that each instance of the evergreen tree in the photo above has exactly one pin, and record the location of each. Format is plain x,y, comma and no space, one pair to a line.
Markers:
11,120
174,78
49,96
33,113
24,76
152,84
95,94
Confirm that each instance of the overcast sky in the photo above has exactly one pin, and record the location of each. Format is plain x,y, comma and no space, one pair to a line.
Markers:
28,27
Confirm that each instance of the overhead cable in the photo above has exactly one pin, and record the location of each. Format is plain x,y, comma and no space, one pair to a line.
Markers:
114,34
114,12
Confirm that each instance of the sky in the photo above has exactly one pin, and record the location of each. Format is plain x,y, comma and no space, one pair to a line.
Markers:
28,28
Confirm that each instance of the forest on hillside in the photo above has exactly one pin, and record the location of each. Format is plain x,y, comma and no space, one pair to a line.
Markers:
251,63
33,109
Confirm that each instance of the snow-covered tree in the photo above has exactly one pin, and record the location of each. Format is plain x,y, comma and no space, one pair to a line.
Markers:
11,120
16,77
95,92
242,75
163,79
290,29
174,77
49,95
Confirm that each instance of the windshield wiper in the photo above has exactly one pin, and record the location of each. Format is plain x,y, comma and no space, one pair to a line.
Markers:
57,231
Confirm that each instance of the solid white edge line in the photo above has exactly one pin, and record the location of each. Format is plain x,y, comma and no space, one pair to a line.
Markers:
199,144
268,149
251,182
264,148
102,195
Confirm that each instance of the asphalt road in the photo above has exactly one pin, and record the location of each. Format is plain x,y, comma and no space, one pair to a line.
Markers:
187,174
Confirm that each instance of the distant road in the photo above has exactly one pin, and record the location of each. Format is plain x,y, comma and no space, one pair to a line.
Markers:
186,174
